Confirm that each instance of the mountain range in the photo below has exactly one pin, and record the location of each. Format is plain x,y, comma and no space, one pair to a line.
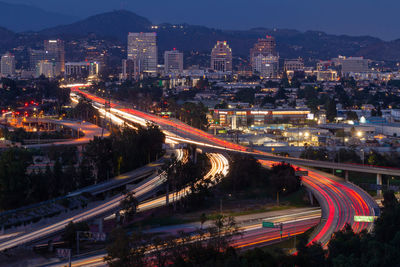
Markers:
290,43
22,18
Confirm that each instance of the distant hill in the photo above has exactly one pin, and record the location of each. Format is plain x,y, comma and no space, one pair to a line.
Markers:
309,45
112,24
7,39
21,18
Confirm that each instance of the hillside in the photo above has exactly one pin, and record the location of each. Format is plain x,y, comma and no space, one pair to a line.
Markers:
112,24
290,43
21,18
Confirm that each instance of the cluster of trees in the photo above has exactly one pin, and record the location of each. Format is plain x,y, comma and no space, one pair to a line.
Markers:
19,135
349,155
16,93
124,150
246,172
194,114
381,247
187,174
203,248
102,159
142,93
84,111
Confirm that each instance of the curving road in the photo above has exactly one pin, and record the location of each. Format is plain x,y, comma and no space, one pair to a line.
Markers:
143,189
339,200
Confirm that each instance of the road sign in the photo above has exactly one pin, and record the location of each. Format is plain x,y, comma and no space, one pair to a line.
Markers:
99,236
63,252
339,171
266,224
364,218
301,173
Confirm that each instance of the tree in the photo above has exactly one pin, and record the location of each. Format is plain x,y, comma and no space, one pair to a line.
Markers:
351,115
129,205
70,231
331,111
283,178
126,251
14,183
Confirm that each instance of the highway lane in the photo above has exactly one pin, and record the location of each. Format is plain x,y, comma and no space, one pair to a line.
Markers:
252,233
339,200
89,131
141,190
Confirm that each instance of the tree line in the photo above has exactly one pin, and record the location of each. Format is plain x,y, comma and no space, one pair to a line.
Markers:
102,158
381,247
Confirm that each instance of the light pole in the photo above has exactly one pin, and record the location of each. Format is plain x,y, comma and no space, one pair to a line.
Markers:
363,156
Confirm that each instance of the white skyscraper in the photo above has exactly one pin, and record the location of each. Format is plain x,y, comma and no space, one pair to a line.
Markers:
7,65
142,49
266,66
173,61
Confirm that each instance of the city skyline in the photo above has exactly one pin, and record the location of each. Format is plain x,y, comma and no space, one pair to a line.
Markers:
353,18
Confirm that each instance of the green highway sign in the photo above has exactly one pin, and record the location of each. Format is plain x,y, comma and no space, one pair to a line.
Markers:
364,218
268,224
339,171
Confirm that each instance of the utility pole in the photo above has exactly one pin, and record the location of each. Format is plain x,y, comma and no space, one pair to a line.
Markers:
77,242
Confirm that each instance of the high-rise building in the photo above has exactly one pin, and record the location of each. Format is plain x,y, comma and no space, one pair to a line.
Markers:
46,68
35,56
221,57
128,69
352,64
294,64
7,66
56,53
82,69
142,49
173,61
265,47
266,66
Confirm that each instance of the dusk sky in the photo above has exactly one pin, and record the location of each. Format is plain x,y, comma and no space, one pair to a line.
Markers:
354,17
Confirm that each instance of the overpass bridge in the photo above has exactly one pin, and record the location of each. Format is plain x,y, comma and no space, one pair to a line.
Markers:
346,167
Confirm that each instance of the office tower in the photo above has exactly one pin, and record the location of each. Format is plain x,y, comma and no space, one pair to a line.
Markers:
7,66
82,69
266,66
35,56
55,52
294,64
128,69
46,68
142,49
264,47
352,64
173,61
221,57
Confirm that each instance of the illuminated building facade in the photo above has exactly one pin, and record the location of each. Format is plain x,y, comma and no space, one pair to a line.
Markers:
7,66
221,57
173,61
55,52
266,66
82,69
265,47
258,117
142,49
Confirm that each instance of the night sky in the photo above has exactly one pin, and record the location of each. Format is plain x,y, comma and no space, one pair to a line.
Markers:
378,18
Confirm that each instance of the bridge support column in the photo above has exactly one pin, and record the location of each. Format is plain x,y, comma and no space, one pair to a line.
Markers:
346,175
379,184
99,223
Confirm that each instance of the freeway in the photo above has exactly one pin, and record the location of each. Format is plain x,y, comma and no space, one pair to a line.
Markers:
89,132
339,200
142,190
295,222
